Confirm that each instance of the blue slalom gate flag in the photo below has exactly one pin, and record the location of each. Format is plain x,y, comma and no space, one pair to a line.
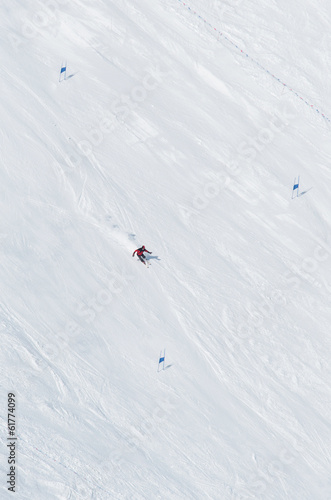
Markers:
63,72
161,360
296,186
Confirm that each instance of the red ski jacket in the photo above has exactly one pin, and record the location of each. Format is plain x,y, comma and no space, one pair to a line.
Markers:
140,251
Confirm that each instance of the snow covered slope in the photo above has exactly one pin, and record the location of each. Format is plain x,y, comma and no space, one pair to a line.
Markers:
181,127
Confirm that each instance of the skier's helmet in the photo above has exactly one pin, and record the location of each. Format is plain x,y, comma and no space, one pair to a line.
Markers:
143,247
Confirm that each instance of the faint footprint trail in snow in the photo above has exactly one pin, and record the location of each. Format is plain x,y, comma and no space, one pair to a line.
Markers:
263,68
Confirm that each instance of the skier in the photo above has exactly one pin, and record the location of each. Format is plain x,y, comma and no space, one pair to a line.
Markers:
140,252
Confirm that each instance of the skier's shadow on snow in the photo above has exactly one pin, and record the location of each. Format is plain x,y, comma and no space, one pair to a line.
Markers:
150,257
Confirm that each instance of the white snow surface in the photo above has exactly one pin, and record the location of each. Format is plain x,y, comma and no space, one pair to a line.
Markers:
166,134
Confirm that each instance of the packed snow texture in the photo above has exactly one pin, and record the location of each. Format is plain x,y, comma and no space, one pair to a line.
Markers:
171,127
